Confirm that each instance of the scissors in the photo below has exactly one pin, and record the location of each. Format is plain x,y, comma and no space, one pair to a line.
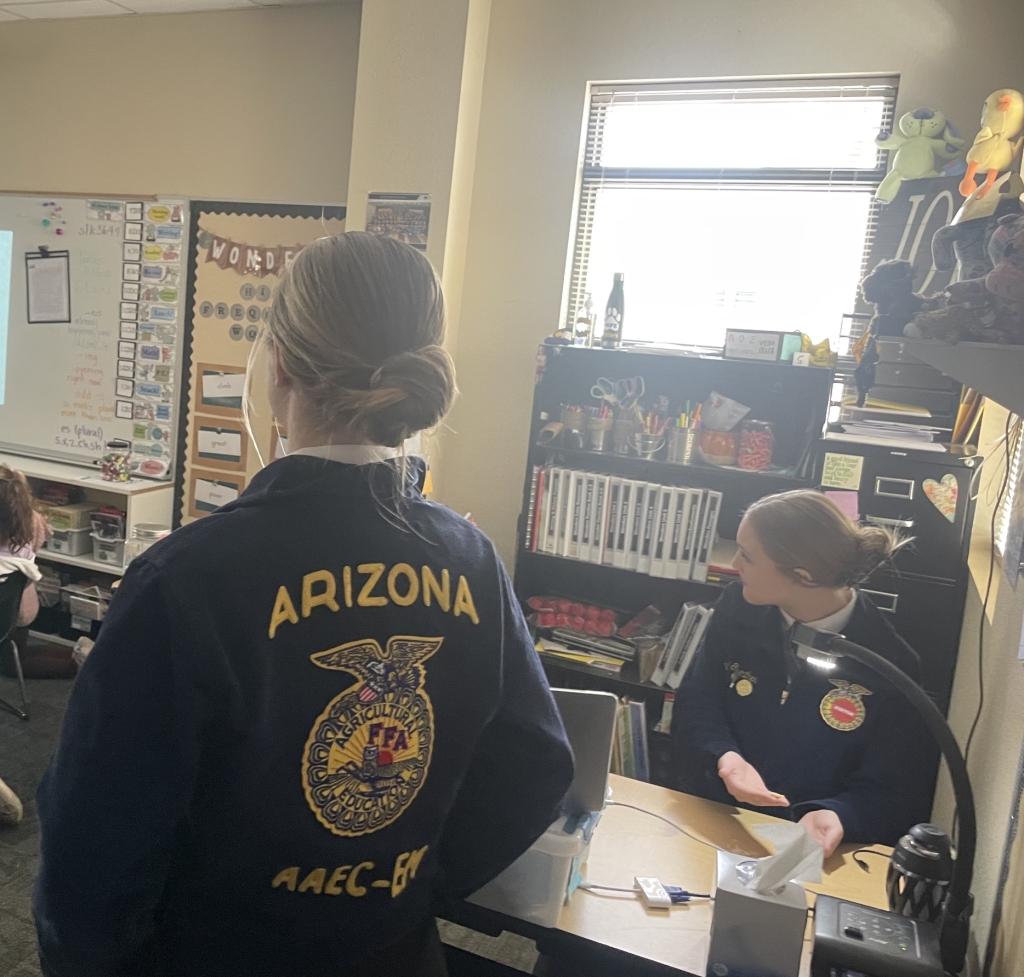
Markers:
624,393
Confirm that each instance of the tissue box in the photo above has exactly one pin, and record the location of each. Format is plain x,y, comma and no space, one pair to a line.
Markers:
755,934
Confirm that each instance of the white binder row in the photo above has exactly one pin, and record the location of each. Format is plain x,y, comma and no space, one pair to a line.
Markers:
661,530
681,644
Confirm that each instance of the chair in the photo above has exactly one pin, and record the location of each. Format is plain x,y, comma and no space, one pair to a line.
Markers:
10,603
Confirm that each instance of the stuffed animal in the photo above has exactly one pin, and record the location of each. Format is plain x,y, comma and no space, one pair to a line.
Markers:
988,308
998,142
924,135
1006,248
890,289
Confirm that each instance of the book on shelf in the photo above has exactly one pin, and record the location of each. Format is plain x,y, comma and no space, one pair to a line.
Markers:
663,531
682,643
531,512
559,652
630,751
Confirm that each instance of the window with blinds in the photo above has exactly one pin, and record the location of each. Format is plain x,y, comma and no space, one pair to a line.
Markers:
729,204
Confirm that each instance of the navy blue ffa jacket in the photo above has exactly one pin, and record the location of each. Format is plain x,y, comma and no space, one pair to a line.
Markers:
302,724
844,740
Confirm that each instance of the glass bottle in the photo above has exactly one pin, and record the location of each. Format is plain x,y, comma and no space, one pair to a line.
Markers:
612,336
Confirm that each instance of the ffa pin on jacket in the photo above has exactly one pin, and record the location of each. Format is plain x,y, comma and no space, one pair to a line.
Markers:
743,682
843,707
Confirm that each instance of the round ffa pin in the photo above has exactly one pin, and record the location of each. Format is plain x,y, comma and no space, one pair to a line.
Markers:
744,687
843,707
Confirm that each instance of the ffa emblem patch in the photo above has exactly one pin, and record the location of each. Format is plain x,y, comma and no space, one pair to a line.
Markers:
369,751
743,682
843,707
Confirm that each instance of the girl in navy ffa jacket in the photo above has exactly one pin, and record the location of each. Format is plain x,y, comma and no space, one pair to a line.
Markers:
840,750
315,712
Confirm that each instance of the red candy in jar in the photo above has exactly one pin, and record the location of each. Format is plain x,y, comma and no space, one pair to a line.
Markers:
757,438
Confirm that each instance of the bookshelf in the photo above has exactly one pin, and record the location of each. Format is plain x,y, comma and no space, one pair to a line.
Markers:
794,399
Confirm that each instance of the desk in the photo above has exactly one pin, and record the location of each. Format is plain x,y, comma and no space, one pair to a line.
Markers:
617,929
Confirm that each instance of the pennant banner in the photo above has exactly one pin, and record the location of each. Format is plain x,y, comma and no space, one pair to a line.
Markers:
247,259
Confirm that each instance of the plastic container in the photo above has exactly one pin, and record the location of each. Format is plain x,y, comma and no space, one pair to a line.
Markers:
105,550
718,447
72,542
535,886
144,535
86,602
74,516
757,438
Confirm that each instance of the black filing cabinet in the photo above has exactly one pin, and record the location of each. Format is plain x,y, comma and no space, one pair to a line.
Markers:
926,497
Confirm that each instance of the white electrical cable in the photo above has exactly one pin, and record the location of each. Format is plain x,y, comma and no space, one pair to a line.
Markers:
672,824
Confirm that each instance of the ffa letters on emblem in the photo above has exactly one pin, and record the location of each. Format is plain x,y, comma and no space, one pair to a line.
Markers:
843,707
369,751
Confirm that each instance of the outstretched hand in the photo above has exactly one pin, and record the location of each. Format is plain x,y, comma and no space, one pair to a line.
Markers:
744,783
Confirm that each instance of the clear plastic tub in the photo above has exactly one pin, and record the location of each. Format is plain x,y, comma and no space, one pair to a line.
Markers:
73,542
535,886
106,550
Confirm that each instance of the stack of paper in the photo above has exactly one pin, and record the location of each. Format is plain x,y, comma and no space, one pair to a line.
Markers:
895,430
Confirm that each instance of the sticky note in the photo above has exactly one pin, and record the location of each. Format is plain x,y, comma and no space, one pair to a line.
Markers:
842,471
847,502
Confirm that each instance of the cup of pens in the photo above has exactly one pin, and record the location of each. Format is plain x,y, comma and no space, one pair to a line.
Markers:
681,444
598,428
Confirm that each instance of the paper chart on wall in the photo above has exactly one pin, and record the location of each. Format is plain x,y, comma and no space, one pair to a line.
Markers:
48,287
235,261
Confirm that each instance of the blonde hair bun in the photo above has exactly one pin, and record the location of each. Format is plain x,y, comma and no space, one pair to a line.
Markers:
358,321
805,530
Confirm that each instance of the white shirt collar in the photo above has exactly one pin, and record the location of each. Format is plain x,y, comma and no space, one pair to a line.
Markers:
349,454
834,622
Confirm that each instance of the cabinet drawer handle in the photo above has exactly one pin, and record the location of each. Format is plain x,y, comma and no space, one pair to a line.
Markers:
890,523
880,595
894,488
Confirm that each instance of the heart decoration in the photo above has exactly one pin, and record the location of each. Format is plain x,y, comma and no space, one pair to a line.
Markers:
942,494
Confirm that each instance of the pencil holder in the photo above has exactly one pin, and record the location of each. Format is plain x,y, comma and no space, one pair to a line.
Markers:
681,444
597,432
574,418
648,445
622,435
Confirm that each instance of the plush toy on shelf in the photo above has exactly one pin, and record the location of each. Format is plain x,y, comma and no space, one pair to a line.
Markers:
924,136
989,308
998,142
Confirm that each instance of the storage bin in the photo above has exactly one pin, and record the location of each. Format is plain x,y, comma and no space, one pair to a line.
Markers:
106,550
86,602
535,886
73,542
74,516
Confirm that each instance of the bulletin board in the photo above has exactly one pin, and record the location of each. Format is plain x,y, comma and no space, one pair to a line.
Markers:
236,255
91,305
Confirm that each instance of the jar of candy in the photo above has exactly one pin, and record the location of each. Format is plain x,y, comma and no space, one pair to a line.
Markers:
114,464
757,438
718,447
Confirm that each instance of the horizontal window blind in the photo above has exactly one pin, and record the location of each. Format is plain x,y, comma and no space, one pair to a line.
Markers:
663,161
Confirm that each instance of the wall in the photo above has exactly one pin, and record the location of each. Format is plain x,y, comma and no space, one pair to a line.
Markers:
541,55
233,105
997,743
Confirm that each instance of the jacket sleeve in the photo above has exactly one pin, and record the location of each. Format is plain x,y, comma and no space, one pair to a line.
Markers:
891,789
118,788
520,771
699,723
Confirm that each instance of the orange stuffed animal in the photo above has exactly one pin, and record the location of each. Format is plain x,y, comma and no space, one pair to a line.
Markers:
996,145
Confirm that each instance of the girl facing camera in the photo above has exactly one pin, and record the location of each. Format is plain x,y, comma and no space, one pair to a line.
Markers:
838,750
316,712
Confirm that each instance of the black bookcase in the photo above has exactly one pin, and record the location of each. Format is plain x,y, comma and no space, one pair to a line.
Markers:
924,592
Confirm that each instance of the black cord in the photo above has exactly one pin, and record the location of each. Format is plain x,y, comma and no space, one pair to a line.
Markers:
867,851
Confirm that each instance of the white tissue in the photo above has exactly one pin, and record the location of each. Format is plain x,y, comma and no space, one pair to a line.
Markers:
797,857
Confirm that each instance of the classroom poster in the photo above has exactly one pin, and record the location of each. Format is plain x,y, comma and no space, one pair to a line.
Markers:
238,254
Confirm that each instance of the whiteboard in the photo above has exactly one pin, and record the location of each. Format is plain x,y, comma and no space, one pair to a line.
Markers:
112,370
